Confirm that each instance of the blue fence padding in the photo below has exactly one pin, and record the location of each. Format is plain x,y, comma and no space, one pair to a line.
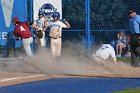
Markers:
92,40
11,42
16,12
108,30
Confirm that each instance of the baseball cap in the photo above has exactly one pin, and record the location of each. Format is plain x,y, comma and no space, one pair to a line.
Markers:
16,19
131,11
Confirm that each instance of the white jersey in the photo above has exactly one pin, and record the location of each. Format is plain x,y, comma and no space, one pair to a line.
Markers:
56,28
105,52
40,23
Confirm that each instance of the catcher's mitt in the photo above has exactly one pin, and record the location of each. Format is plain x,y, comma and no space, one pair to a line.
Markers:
39,34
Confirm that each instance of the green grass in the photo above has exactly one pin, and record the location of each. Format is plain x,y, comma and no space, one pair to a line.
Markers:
132,90
126,60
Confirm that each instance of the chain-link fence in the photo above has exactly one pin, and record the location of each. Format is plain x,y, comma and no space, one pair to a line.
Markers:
107,18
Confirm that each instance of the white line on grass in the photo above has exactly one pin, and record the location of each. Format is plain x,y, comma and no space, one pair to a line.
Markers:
9,79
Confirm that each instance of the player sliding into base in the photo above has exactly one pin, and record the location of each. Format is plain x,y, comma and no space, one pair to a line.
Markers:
104,52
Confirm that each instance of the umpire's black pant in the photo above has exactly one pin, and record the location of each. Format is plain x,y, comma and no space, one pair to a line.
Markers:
135,53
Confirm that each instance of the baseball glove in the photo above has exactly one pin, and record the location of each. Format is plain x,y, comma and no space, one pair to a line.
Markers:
64,20
39,34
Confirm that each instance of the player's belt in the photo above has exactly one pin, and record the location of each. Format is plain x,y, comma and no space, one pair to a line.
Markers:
25,37
55,37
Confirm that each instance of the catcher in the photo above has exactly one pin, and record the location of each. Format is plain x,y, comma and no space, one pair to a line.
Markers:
40,30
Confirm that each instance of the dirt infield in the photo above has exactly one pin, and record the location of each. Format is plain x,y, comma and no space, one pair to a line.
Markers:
15,71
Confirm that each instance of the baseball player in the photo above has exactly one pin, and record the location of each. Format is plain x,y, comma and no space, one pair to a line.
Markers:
56,32
22,31
39,26
104,52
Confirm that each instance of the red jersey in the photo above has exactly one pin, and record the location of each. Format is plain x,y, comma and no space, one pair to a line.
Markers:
22,30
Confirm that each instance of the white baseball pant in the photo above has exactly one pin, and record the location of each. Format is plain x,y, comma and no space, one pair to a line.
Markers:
56,46
26,44
43,40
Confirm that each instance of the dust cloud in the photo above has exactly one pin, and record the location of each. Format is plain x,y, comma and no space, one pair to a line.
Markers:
74,60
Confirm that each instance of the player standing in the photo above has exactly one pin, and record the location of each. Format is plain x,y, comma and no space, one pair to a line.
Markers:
39,26
56,32
22,31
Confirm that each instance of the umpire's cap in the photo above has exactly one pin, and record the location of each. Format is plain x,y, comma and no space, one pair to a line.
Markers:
131,11
16,19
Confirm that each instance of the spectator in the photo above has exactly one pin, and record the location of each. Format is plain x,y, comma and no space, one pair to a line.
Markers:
39,26
121,44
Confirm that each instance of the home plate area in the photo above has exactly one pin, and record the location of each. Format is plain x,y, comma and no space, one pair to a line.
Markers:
66,75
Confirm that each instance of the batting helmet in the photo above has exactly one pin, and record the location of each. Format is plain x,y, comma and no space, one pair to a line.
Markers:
113,43
15,19
56,14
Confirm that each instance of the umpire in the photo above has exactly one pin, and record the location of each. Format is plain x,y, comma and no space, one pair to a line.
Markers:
134,23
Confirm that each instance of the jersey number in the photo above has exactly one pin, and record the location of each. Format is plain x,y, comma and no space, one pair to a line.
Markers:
21,28
104,47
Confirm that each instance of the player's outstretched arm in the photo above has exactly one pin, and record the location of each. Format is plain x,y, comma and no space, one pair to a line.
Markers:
114,60
45,23
67,24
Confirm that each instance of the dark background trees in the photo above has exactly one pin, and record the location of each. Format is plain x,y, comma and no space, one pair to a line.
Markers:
104,14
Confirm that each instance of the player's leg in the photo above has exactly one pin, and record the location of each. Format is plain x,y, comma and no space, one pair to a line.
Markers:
120,49
26,43
117,49
58,47
52,46
96,58
43,40
134,57
137,61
